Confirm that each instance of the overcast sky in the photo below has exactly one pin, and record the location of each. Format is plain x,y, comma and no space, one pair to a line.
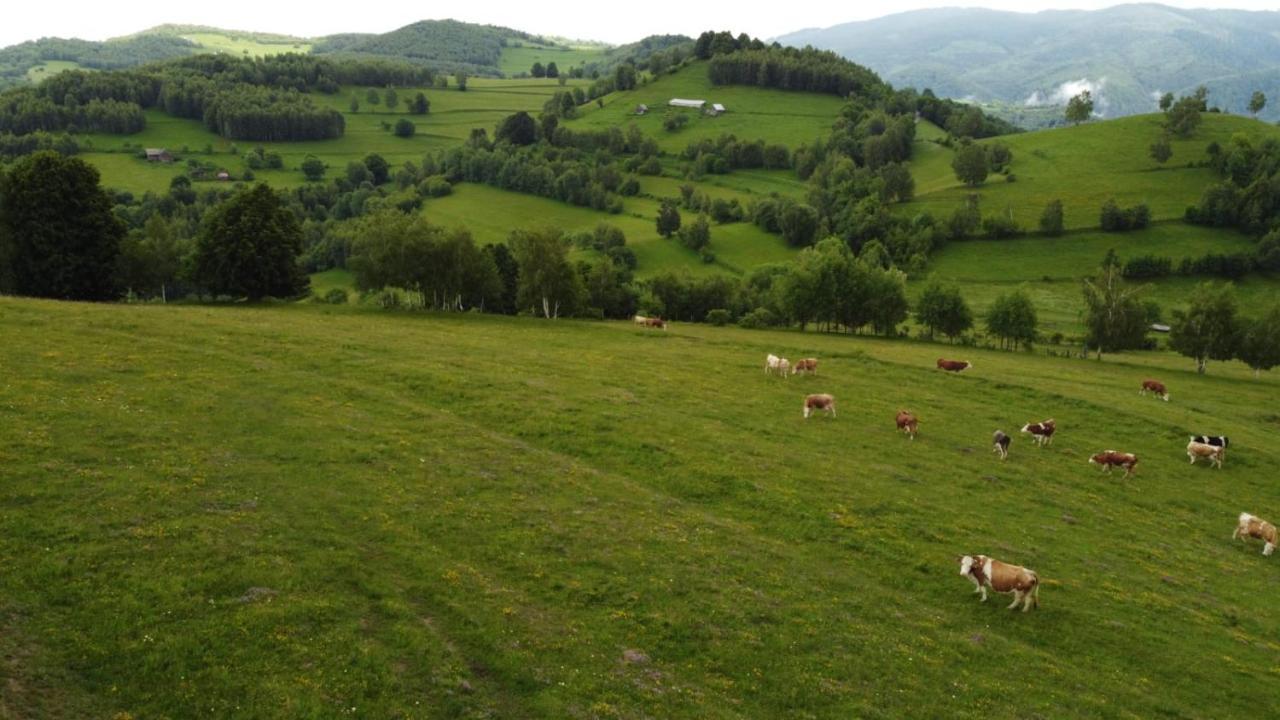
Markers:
610,21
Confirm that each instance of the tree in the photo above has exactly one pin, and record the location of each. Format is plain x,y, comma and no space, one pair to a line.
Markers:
1115,317
420,105
942,309
1257,102
1260,341
460,79
405,128
1051,220
357,173
150,259
355,104
624,77
696,235
1012,318
57,229
799,224
518,129
378,168
1162,150
1208,329
392,99
552,70
1166,101
668,219
547,280
372,97
1080,107
537,70
313,168
971,164
1183,117
248,246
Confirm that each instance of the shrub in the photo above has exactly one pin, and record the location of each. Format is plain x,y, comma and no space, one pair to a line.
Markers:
758,318
335,296
719,317
435,186
999,227
1116,219
1147,266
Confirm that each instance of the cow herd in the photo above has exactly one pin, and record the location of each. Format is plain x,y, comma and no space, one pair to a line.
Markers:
989,573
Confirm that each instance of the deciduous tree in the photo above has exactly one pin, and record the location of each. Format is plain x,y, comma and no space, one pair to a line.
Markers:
1080,107
248,246
1208,328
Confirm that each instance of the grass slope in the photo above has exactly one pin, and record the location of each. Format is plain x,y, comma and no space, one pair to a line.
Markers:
241,45
520,58
1083,166
308,511
777,116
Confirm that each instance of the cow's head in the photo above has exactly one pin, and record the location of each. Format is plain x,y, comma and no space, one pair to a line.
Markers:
966,563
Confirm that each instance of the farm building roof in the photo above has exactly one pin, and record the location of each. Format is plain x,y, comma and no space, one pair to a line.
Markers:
682,102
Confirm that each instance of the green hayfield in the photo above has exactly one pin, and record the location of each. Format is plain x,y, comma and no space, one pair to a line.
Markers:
491,214
1052,267
1083,166
777,116
521,59
308,511
49,68
218,43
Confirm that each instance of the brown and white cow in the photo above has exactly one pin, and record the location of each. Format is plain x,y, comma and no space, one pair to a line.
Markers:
987,572
819,401
1000,444
907,423
780,365
1041,432
807,365
655,322
1111,458
1154,386
1249,526
1215,453
953,365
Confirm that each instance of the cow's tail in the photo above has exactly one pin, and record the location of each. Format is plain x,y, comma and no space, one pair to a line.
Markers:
1035,590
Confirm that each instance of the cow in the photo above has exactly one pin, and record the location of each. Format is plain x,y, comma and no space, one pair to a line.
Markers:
640,320
1215,453
773,363
1041,432
907,423
820,401
1215,440
986,572
655,322
1249,526
1000,444
1154,386
953,365
1111,458
807,365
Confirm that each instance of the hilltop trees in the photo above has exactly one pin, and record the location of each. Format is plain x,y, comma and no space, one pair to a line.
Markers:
1013,319
1257,102
1080,108
1166,101
942,309
248,246
58,236
971,164
1183,116
1208,329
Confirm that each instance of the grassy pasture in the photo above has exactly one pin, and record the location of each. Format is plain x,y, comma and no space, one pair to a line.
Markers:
315,512
49,68
521,59
1083,166
777,116
243,46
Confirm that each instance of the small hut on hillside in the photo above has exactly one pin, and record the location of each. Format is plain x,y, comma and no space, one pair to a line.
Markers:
159,155
685,103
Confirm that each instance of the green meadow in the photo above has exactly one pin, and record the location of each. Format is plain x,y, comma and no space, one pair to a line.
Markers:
49,68
1083,166
310,511
244,45
520,58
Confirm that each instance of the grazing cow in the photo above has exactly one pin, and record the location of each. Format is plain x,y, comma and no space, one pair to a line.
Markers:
986,573
655,322
953,365
773,363
820,401
1041,432
1111,458
1249,526
1154,386
807,365
1215,453
1214,440
907,423
641,320
1000,444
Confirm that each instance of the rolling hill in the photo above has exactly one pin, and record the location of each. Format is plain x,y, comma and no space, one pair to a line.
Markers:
1127,54
309,510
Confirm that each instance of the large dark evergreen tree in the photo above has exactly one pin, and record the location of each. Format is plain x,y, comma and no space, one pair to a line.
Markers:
249,246
57,230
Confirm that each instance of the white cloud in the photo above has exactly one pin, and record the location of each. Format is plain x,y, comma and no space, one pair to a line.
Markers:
1069,89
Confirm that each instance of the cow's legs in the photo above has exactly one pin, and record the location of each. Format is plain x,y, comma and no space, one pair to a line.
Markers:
1017,598
984,592
1268,549
1030,596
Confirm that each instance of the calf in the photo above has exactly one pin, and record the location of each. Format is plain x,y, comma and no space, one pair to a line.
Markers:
1041,432
1111,458
1156,387
953,365
821,401
807,365
1197,450
907,423
1249,526
1000,444
986,572
773,363
1215,440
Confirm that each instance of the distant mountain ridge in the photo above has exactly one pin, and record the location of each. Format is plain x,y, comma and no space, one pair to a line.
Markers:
1126,55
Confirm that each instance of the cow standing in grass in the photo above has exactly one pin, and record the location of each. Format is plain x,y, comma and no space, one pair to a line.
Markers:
1000,444
819,402
1215,453
953,365
987,572
807,365
1042,432
1111,458
780,365
1248,526
1154,386
907,423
